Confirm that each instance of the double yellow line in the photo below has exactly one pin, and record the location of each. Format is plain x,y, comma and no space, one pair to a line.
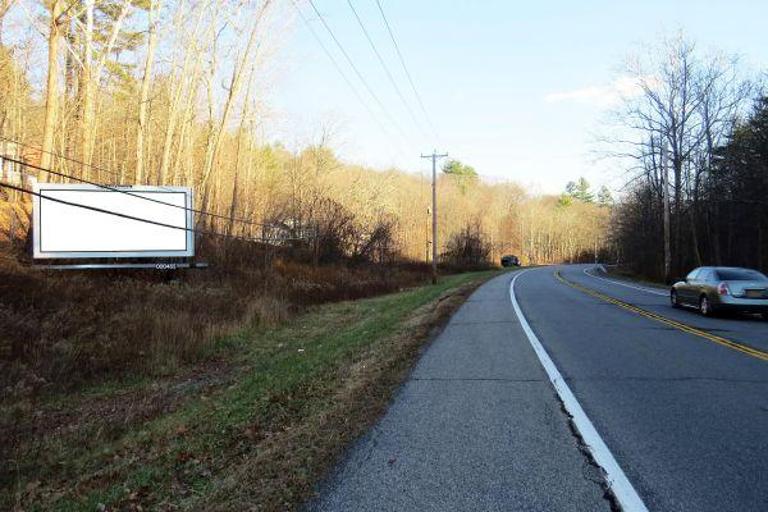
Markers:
746,349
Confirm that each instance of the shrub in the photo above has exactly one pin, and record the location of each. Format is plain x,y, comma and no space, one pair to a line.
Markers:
468,248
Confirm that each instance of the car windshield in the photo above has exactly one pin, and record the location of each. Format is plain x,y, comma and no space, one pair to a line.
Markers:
741,274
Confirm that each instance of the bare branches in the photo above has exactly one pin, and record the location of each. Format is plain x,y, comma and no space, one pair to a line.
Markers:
687,107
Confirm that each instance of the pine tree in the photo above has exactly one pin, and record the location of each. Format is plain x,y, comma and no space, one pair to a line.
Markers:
604,197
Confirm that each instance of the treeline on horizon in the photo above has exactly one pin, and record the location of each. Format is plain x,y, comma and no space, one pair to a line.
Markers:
172,93
698,116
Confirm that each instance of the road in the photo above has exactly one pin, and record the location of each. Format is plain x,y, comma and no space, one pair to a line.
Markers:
480,426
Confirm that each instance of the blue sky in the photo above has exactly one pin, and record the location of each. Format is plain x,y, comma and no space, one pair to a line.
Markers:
516,89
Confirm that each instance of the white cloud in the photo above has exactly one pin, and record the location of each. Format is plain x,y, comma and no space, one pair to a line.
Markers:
601,95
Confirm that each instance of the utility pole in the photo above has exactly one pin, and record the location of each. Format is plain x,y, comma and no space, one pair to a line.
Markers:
665,205
427,242
434,156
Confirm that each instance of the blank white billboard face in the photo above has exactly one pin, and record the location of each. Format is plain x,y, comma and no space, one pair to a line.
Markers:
63,230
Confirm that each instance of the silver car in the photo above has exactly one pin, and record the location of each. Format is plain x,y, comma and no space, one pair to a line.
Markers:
716,289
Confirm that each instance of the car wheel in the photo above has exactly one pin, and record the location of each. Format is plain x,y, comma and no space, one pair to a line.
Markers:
705,307
765,316
673,299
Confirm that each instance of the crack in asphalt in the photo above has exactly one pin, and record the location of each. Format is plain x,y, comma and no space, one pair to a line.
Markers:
601,478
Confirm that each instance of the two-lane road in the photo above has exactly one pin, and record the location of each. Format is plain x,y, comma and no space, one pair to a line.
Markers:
685,417
478,425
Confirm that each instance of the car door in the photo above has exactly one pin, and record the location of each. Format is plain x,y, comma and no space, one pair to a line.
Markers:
705,283
687,292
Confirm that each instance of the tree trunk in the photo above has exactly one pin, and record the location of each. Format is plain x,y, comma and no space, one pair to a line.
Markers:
694,234
51,92
141,132
241,133
86,88
234,88
665,206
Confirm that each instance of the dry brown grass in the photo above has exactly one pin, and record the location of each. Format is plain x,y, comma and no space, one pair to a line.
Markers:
65,329
254,431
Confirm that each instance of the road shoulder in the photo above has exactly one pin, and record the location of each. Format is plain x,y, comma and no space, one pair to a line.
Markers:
477,426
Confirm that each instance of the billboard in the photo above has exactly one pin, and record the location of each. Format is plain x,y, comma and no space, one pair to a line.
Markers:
88,221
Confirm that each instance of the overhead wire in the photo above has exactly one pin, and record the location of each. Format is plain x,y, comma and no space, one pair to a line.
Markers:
407,72
357,72
140,219
385,67
61,156
239,220
338,68
120,190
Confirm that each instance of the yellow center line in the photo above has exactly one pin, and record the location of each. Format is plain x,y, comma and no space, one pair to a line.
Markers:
746,349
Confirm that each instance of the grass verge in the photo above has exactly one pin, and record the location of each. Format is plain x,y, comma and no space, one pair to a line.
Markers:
255,434
623,274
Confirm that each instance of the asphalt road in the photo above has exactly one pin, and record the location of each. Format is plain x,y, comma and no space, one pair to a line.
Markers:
478,425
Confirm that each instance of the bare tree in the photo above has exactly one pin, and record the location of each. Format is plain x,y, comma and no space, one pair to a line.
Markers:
52,84
686,104
141,129
233,92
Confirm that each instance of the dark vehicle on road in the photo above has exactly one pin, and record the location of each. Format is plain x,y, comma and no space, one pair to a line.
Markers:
510,261
719,289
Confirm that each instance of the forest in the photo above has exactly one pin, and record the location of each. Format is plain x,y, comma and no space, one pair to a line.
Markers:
693,142
176,93
168,93
124,92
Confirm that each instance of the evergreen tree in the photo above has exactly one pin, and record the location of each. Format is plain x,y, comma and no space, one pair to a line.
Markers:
583,193
604,197
464,174
456,168
579,190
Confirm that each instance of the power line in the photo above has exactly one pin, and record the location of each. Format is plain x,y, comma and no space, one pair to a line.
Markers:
356,70
138,219
122,191
61,156
405,68
339,70
384,66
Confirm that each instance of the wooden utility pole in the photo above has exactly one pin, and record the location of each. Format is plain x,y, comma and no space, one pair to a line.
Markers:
665,205
434,156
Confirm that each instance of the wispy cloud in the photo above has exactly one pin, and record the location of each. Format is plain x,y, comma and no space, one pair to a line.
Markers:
600,95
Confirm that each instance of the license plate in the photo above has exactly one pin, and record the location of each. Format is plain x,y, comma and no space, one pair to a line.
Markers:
755,294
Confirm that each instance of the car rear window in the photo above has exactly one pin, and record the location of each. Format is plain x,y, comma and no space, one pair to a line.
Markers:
740,274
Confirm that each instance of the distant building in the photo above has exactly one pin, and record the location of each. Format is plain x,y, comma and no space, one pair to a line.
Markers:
11,172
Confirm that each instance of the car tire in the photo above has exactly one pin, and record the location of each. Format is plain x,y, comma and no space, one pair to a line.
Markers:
705,306
673,298
765,316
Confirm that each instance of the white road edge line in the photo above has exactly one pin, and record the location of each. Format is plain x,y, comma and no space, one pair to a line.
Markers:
640,288
622,489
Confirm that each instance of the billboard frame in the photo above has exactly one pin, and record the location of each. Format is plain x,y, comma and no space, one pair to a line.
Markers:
40,189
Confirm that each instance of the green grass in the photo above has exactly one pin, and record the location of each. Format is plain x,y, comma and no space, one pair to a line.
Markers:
298,395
